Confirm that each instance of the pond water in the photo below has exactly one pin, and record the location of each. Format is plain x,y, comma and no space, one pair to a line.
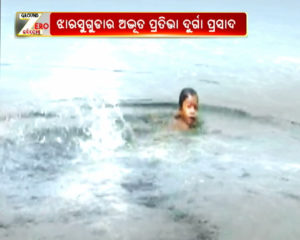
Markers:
83,168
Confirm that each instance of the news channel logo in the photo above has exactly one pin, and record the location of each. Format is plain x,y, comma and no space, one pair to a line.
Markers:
32,24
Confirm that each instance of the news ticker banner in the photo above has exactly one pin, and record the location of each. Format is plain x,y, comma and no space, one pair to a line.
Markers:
131,24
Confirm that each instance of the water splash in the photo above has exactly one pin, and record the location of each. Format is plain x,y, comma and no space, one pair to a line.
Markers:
108,130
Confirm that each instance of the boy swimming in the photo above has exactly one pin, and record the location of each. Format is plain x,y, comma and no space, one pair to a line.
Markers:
186,117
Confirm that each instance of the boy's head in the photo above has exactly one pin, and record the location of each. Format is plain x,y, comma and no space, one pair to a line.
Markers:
188,106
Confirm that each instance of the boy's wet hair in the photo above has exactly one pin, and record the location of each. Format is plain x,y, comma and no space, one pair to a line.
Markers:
184,94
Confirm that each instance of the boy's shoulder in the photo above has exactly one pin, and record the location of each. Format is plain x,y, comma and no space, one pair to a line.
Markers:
178,123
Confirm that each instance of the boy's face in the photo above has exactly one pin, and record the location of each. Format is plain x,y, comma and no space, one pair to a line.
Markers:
189,110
